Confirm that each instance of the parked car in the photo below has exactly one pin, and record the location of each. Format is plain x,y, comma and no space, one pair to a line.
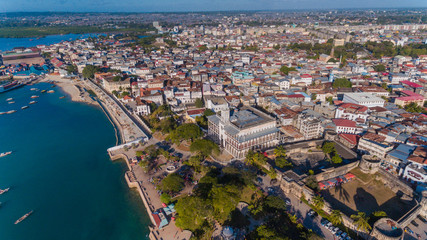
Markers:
422,219
407,229
414,223
259,180
288,201
324,222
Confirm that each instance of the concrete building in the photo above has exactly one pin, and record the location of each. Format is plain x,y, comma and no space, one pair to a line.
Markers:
243,130
365,99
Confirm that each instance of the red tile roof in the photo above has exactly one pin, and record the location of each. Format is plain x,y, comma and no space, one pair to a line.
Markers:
340,122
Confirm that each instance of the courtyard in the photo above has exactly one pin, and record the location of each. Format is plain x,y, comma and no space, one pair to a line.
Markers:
366,196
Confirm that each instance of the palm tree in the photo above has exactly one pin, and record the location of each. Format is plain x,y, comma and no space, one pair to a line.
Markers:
318,202
336,217
280,151
361,220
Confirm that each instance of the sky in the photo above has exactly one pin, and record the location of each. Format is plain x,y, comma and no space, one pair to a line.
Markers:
194,5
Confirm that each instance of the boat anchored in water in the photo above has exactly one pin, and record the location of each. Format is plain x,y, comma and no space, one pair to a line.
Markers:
62,97
9,99
4,190
24,107
32,102
11,102
43,91
5,154
23,217
50,91
11,111
34,96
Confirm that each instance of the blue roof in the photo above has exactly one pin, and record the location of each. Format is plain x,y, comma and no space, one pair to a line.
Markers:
402,152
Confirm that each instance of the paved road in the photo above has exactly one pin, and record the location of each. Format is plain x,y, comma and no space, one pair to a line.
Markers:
300,209
421,230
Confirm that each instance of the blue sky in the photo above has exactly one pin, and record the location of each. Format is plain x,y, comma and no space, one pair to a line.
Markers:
195,5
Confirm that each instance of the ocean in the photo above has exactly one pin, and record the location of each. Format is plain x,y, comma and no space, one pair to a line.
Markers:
60,169
7,44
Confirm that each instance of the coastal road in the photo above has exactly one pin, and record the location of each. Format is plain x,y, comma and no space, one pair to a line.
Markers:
130,116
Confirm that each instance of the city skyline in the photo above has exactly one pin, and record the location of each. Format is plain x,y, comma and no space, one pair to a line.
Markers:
198,6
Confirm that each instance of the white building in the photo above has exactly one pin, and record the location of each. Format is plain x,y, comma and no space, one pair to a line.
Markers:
365,99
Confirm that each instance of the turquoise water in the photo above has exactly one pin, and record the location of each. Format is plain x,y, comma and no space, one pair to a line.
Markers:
7,44
60,169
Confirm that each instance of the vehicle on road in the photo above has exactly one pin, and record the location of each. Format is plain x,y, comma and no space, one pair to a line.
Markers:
288,201
422,219
408,230
414,223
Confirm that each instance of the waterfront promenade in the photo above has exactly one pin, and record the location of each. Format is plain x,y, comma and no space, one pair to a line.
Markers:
137,178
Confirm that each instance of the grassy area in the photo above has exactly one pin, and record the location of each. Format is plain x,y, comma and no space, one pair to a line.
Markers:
362,176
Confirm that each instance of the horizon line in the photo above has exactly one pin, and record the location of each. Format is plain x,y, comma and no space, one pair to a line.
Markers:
219,11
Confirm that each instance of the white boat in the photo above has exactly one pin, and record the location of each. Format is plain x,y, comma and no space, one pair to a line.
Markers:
11,111
50,91
5,153
11,102
1,113
23,217
34,96
4,190
9,99
24,107
33,89
32,102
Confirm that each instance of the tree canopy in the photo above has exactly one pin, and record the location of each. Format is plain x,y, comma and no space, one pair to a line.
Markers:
204,146
342,83
172,183
285,69
89,71
188,131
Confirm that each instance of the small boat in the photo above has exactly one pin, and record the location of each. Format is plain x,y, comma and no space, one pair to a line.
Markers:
23,217
11,111
33,89
50,91
5,153
4,190
62,97
32,102
43,91
9,99
34,96
24,107
11,102
1,113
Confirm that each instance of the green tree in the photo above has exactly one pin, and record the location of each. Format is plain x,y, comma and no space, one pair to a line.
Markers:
199,103
336,159
204,146
89,71
165,198
318,202
361,220
328,147
336,217
192,212
188,131
208,112
414,108
172,183
224,200
379,68
71,69
285,69
282,162
280,151
329,100
342,83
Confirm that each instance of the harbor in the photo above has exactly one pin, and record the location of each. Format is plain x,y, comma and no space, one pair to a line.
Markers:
80,183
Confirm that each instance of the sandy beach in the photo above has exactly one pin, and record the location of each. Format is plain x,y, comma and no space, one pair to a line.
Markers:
71,87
